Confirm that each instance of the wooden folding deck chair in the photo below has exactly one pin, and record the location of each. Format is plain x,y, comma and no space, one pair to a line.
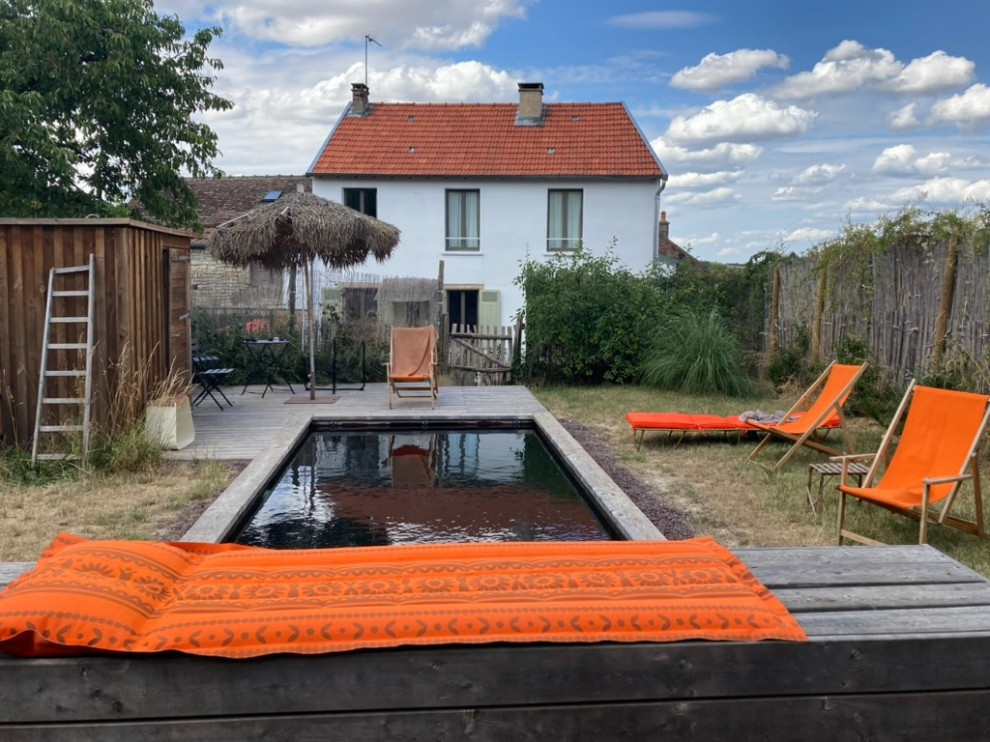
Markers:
412,365
836,383
929,464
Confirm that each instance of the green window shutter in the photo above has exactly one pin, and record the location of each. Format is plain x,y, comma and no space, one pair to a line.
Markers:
333,299
488,308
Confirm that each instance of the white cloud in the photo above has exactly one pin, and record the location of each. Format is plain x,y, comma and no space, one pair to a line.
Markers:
719,196
809,234
847,67
437,25
864,205
936,73
265,88
933,163
903,160
816,174
896,160
661,20
970,109
718,70
745,118
704,180
945,191
795,193
905,118
707,240
721,155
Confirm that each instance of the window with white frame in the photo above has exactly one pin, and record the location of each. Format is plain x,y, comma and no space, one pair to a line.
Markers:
564,218
463,220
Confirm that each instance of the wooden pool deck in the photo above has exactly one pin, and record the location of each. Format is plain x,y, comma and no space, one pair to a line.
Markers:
247,428
899,650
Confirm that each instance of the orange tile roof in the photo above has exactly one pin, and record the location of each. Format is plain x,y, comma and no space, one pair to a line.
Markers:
470,139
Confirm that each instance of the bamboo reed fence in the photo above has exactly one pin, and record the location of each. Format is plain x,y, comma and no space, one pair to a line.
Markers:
910,305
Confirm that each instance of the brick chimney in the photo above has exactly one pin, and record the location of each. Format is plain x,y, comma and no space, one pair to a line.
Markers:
664,227
530,111
359,105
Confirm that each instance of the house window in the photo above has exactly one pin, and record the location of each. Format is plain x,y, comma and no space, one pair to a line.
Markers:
364,200
463,220
564,219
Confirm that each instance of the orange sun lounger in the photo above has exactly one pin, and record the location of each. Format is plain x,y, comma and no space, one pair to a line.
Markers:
935,455
676,422
237,601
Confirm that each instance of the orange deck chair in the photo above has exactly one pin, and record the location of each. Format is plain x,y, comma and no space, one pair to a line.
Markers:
929,464
836,383
412,365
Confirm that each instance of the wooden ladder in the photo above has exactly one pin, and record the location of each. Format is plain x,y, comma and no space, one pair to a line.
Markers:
53,318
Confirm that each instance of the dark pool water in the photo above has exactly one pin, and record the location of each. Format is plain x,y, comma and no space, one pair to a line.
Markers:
364,489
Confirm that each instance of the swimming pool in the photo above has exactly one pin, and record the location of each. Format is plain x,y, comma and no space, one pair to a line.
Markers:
232,510
374,488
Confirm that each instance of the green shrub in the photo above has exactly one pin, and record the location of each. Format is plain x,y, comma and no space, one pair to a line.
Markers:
587,319
696,352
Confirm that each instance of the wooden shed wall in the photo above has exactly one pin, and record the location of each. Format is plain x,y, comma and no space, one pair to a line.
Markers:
142,278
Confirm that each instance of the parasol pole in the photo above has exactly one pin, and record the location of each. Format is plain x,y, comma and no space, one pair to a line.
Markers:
312,328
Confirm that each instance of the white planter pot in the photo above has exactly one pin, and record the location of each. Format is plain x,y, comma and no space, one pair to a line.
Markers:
170,425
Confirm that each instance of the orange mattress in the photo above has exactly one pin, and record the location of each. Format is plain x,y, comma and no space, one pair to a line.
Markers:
697,423
237,601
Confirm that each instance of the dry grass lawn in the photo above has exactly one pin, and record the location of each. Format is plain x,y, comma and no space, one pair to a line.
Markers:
145,505
732,499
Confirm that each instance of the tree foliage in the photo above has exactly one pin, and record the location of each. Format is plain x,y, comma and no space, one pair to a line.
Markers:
98,100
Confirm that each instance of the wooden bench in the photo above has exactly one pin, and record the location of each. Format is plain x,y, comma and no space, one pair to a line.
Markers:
900,648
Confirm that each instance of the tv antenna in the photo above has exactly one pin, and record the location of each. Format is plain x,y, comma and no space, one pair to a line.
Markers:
367,38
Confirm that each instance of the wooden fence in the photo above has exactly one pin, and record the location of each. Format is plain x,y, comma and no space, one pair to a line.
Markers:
910,305
481,356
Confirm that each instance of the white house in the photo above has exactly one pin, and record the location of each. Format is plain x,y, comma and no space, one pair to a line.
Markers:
482,187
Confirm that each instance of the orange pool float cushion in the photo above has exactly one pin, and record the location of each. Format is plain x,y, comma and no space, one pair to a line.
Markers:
238,601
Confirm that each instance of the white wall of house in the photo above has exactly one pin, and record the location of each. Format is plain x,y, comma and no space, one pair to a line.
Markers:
513,224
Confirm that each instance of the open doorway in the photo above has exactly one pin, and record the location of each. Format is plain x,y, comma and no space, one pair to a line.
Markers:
462,307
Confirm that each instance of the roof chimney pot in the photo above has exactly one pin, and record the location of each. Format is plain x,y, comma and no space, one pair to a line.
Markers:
664,227
359,105
530,111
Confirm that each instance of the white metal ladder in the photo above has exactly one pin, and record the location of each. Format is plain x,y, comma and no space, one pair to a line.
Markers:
52,318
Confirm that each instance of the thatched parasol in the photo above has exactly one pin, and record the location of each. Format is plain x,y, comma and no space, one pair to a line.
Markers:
297,229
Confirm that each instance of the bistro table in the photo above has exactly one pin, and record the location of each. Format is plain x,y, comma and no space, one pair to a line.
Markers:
265,359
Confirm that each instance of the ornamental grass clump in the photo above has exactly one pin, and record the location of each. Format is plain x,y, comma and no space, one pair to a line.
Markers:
697,353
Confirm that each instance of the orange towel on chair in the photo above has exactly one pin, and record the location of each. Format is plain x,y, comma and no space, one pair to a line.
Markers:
238,601
412,353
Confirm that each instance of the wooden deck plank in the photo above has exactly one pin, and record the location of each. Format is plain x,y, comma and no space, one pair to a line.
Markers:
945,717
875,597
90,688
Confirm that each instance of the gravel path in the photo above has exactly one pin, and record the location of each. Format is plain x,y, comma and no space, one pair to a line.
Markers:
671,522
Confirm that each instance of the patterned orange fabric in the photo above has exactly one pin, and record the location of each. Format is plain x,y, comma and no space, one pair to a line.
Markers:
938,436
238,601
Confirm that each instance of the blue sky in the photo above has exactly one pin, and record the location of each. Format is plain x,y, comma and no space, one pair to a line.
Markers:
779,122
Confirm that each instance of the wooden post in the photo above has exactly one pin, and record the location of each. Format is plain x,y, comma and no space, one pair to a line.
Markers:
774,310
945,303
816,325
